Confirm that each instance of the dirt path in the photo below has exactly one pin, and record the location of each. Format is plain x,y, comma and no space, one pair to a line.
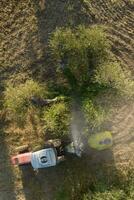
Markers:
123,131
6,173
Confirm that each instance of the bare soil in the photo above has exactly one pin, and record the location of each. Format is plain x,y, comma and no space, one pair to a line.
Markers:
123,132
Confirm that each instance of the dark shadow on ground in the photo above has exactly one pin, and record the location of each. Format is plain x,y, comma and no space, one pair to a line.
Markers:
6,174
32,188
7,190
60,13
71,13
74,173
56,14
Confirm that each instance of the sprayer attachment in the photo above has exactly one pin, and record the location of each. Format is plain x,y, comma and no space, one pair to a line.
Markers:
74,149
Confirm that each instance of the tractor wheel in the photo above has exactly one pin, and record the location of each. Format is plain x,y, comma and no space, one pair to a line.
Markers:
54,143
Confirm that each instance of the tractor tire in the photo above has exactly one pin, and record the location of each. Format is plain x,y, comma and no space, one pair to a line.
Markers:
54,143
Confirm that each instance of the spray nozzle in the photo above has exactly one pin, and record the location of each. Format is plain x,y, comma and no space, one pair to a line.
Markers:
74,148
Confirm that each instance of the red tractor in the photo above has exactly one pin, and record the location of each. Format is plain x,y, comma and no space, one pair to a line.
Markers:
53,153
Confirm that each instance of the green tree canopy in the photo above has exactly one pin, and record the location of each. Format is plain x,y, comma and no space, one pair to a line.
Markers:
57,120
84,56
17,99
80,51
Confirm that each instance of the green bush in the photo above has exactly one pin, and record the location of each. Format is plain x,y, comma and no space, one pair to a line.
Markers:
57,120
94,115
84,55
17,98
121,188
112,75
98,187
80,50
107,195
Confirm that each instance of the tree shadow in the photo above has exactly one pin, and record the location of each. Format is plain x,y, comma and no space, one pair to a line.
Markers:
60,13
56,14
7,188
32,188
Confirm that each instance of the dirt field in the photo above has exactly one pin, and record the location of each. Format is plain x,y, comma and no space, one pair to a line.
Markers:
26,28
25,31
123,131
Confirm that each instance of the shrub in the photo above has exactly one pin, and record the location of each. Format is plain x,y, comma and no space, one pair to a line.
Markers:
112,75
115,194
121,188
17,98
94,115
57,120
105,182
83,55
79,51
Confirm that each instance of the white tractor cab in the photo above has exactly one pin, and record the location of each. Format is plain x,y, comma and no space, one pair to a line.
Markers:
44,158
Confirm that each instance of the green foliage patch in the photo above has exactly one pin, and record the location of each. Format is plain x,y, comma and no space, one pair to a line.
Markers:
57,120
79,51
112,75
17,99
94,115
115,194
99,188
83,57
